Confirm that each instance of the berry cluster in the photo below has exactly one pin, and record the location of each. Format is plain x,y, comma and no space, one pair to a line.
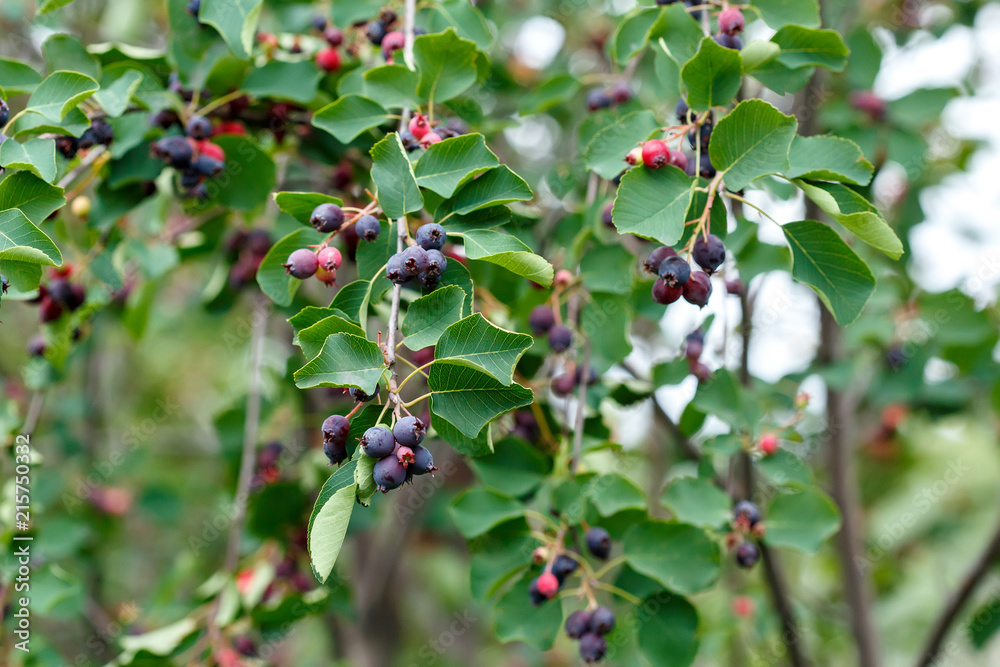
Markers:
590,626
194,156
421,133
543,321
328,58
59,296
604,98
746,524
676,277
423,261
99,133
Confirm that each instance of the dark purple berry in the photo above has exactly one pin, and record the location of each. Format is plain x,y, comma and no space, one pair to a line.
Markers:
620,93
423,462
705,133
436,262
698,289
537,598
319,22
429,281
607,214
598,98
674,271
652,263
190,178
695,344
333,36
592,647
745,512
368,227
563,566
67,146
709,252
541,320
563,385
36,346
602,621
204,165
388,474
165,119
375,32
431,236
409,431
360,396
336,428
99,132
377,442
4,113
736,287
414,259
49,310
193,7
336,452
598,542
560,338
198,127
578,624
682,110
396,271
301,264
175,150
327,218
728,41
747,555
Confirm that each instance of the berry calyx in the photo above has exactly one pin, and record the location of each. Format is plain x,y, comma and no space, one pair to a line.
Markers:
360,396
327,218
598,542
436,263
368,227
388,474
414,259
301,264
336,428
602,621
655,154
419,126
665,294
698,289
674,271
377,442
396,271
747,555
731,21
652,263
560,338
709,252
634,156
431,236
593,647
548,585
404,455
768,444
541,320
328,59
578,624
409,431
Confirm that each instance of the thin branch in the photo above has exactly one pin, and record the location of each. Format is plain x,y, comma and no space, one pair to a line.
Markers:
94,153
34,412
958,599
581,407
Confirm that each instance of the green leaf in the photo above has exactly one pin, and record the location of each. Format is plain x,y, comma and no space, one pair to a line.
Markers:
447,65
346,360
398,192
713,76
607,269
477,510
497,557
470,398
295,81
449,164
18,78
52,5
612,493
983,623
822,260
66,52
21,240
517,619
37,156
779,13
751,141
758,53
429,316
632,34
465,18
697,501
668,631
678,32
312,338
329,520
509,252
24,277
391,85
784,468
346,12
609,137
114,96
351,298
481,445
236,21
249,175
349,116
802,520
828,158
496,186
363,477
300,205
476,342
652,202
59,93
681,557
856,214
516,468
36,198
560,88
806,47
274,281
782,79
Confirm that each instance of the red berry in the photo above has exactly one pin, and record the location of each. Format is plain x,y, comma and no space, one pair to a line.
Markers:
326,276
655,154
678,159
665,294
214,151
430,138
393,41
768,444
329,258
743,606
563,278
328,59
419,126
548,585
731,21
698,289
652,263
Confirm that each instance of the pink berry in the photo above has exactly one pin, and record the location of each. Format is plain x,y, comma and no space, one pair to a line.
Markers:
655,154
430,138
328,60
731,21
301,264
393,41
768,444
634,156
419,126
563,278
678,159
329,258
548,584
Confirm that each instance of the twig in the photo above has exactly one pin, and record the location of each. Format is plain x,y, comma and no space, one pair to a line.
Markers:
958,599
581,408
94,153
34,411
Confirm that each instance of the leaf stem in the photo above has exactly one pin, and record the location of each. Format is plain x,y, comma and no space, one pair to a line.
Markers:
218,102
415,371
417,399
617,591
